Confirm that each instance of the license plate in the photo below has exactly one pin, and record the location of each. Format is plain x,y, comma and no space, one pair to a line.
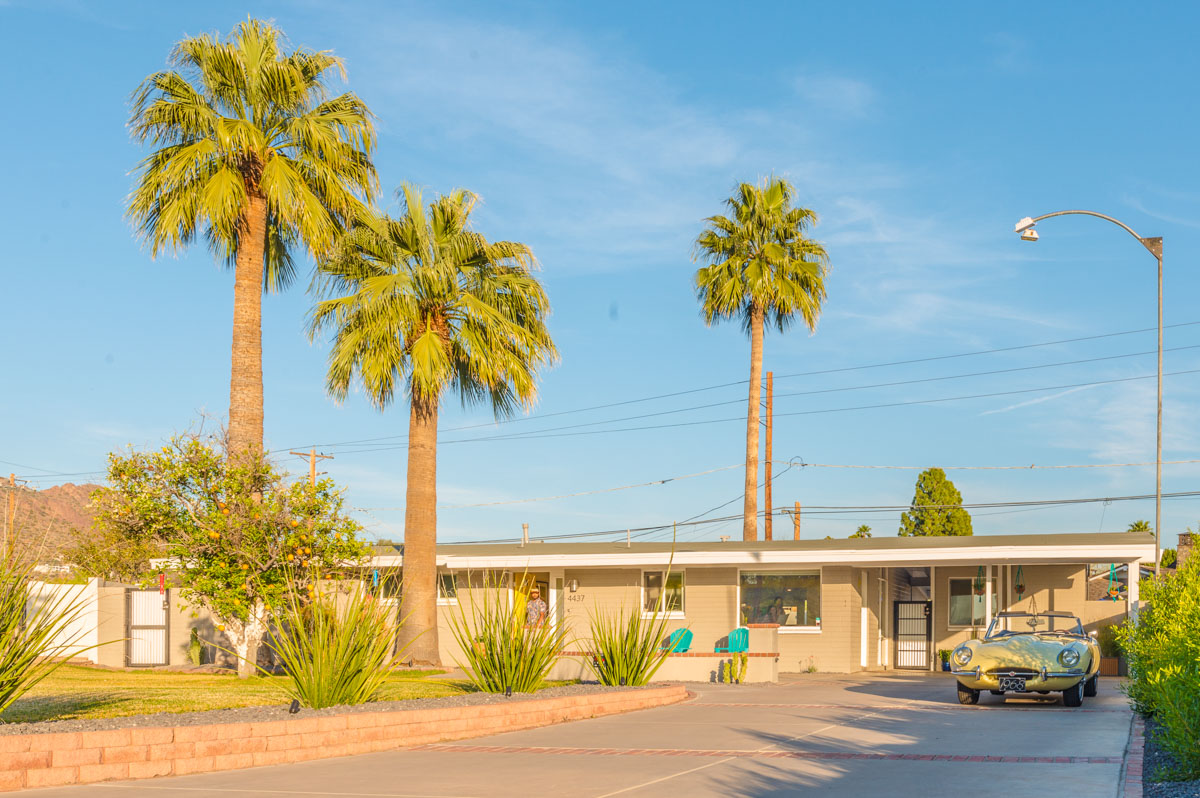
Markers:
1012,684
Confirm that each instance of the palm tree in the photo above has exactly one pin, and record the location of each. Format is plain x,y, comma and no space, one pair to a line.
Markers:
761,269
424,305
249,147
1140,526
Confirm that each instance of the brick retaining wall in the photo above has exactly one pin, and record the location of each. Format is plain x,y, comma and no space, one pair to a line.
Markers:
46,760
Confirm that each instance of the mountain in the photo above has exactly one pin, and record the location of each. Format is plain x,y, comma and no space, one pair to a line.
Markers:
44,518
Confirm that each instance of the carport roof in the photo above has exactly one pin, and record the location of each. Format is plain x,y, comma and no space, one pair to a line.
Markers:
1121,545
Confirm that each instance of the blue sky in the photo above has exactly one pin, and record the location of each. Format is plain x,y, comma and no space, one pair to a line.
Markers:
602,135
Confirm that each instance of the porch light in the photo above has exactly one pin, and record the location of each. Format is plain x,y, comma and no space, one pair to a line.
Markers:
573,585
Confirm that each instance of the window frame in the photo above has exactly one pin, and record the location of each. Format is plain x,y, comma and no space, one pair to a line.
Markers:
442,599
680,614
983,622
814,629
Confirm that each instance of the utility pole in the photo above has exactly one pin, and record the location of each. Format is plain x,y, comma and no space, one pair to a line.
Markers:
312,457
524,534
10,516
796,521
770,425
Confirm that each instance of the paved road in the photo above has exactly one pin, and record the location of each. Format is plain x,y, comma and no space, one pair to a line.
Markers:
881,735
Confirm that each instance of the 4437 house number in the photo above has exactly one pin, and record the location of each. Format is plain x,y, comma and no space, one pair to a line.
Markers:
575,597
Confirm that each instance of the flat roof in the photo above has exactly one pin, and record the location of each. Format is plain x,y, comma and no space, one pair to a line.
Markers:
881,551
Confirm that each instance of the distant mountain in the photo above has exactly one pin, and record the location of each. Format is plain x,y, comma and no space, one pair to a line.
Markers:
45,518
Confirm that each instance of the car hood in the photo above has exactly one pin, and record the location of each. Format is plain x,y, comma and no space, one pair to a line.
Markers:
1020,651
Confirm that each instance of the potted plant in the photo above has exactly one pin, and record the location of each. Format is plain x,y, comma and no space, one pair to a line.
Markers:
1110,652
944,656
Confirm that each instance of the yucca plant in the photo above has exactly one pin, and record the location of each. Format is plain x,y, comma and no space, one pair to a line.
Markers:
627,646
39,630
337,648
501,652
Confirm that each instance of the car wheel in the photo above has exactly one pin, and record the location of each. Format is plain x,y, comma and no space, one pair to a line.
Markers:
967,696
1073,696
1092,686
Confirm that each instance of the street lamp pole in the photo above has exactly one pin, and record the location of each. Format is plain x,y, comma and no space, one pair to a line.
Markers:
1155,246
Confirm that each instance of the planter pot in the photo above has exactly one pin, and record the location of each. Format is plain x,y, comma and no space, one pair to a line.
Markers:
946,665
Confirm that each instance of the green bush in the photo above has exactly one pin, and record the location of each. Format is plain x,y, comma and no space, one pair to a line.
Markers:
502,653
1162,652
337,648
36,634
1106,636
627,646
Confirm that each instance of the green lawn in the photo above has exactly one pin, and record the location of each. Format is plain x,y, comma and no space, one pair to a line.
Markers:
78,692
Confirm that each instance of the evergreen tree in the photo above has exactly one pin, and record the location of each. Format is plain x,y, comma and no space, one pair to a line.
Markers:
936,508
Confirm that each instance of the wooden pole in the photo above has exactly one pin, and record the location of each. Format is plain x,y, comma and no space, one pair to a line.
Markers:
796,521
312,457
770,425
10,516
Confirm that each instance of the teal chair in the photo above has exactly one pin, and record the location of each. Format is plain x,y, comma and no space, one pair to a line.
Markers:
738,642
679,641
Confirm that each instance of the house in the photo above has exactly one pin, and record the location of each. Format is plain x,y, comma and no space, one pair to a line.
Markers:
831,605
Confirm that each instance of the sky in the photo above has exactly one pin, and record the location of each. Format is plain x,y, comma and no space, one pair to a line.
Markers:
602,135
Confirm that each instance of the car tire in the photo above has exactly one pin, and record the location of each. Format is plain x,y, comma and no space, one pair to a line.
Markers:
1073,696
967,696
1092,686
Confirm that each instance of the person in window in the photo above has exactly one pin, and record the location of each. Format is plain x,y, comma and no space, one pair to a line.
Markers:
535,609
776,614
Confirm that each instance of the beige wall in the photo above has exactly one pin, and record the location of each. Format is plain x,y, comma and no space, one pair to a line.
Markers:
834,649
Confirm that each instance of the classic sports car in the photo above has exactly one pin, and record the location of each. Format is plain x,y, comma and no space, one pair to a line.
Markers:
1029,652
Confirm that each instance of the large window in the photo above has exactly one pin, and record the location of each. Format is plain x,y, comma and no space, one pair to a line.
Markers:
653,592
790,600
967,608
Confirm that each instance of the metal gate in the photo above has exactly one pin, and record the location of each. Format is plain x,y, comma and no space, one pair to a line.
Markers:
145,627
913,634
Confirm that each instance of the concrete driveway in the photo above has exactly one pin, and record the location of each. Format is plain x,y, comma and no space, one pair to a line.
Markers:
884,735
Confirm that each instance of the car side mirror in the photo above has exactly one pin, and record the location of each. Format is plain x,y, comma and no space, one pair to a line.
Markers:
1093,634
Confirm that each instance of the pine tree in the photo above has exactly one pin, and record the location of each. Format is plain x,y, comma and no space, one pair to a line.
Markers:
936,508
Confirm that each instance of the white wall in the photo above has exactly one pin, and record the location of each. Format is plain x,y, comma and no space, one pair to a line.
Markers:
82,633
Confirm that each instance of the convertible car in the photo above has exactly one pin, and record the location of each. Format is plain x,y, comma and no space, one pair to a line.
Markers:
1029,652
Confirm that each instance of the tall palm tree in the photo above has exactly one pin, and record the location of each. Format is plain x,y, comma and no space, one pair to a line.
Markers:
249,147
761,269
1140,526
424,305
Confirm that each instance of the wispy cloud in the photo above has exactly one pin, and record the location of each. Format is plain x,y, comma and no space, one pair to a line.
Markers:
1036,401
837,93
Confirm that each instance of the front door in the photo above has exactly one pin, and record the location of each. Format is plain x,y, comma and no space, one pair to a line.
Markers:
146,641
913,634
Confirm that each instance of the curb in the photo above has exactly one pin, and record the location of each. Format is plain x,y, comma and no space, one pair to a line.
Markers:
55,759
1135,754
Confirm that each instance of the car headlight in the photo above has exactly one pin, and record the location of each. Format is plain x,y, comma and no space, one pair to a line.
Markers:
962,655
1069,657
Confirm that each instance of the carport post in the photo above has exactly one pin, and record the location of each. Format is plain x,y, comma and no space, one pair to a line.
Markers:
1133,575
987,599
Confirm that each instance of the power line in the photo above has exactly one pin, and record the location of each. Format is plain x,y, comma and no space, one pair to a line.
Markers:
743,382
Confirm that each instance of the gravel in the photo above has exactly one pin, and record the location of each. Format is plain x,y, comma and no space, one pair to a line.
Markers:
1157,759
280,711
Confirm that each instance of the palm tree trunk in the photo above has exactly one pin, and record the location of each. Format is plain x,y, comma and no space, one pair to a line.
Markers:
750,508
246,381
418,605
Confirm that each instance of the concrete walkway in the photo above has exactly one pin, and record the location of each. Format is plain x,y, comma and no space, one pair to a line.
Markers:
885,735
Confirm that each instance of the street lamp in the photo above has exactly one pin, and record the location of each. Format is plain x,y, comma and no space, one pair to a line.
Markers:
1026,228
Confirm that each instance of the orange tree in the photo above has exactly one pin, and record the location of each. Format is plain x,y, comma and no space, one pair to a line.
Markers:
239,536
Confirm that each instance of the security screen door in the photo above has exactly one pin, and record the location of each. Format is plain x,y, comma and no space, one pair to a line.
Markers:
913,634
146,640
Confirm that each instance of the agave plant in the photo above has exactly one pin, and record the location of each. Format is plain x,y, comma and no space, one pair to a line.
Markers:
39,629
501,652
335,652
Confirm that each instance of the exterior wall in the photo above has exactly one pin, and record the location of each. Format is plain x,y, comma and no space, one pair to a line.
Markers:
834,649
111,627
710,604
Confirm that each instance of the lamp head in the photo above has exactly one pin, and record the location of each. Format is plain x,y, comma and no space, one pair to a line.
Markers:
1029,235
1023,225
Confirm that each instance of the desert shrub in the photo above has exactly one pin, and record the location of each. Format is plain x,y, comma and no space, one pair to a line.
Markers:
501,652
1162,652
627,646
36,629
336,647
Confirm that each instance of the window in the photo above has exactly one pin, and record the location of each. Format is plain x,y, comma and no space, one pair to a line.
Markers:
447,588
653,593
385,583
788,599
966,608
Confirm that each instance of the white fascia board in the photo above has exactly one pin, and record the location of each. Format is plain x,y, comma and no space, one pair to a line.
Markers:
977,554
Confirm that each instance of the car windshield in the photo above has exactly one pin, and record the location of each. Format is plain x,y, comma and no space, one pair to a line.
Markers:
1024,623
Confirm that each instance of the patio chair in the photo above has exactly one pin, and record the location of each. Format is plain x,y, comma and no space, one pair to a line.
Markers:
679,641
738,642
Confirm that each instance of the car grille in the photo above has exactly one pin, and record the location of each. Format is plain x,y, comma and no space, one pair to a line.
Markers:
1013,672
